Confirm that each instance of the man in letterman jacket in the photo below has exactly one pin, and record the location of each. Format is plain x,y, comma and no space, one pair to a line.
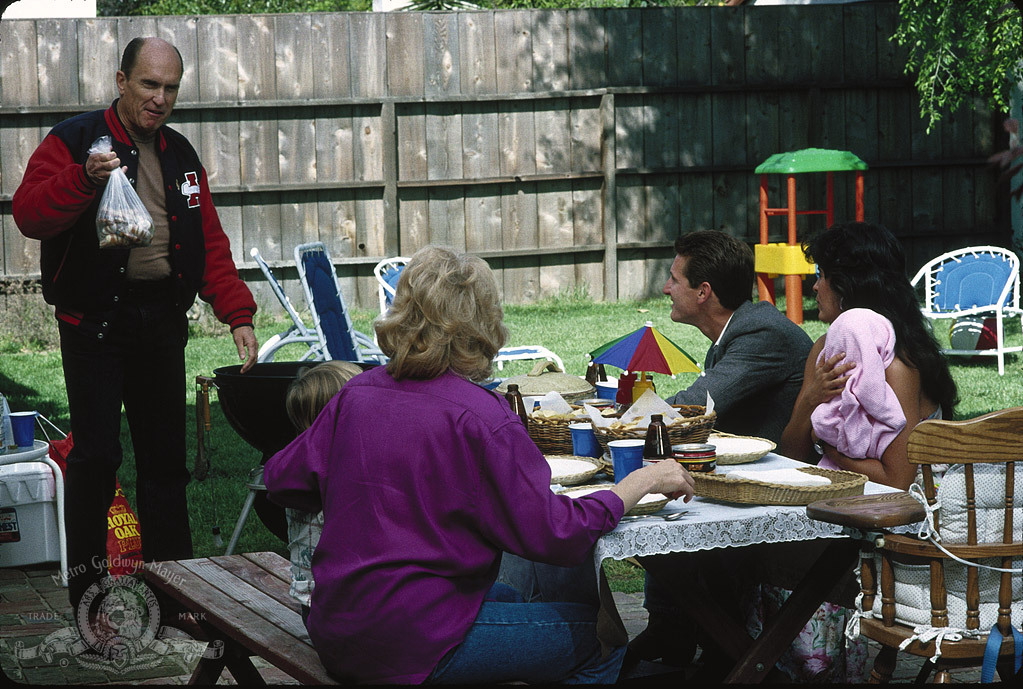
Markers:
121,311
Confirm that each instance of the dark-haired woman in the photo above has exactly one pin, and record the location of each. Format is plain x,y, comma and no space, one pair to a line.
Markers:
891,374
868,382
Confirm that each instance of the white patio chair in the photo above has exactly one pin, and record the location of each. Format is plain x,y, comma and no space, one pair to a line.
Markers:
975,281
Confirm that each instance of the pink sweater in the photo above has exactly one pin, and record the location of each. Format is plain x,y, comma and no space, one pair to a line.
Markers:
864,419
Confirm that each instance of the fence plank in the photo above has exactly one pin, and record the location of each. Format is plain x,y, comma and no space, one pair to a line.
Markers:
519,227
517,138
443,141
99,57
587,49
659,53
331,39
513,31
550,50
405,52
624,48
58,65
412,165
480,141
18,62
477,52
181,32
368,52
443,59
482,219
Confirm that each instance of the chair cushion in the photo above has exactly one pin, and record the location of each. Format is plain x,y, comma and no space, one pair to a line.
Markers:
912,582
971,281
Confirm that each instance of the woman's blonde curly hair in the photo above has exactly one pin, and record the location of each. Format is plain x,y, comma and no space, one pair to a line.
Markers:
446,315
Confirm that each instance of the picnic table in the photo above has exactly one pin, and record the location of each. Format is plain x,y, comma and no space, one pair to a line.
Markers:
711,524
243,602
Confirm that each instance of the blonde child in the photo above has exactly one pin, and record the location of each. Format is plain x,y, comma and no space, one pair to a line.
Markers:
306,396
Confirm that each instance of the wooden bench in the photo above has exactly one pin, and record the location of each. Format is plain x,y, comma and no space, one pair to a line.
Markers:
243,602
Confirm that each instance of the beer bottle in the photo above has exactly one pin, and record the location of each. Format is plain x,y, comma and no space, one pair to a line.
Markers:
658,444
514,398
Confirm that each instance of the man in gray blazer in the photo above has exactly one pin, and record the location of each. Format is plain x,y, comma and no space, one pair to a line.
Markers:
754,368
753,372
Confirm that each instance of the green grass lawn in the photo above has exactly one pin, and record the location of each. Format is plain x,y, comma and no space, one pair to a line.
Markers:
569,325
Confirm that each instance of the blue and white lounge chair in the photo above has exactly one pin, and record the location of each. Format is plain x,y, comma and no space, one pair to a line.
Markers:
338,338
387,273
298,333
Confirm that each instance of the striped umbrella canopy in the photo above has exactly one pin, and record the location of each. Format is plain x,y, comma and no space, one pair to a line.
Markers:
645,349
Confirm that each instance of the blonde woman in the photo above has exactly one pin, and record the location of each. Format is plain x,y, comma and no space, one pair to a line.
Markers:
424,478
307,395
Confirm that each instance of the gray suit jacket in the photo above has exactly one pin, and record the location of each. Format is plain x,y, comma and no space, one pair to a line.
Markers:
754,374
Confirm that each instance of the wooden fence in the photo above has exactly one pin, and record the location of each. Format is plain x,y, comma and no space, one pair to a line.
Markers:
568,148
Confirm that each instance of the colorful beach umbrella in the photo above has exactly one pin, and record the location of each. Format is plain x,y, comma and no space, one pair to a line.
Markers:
645,349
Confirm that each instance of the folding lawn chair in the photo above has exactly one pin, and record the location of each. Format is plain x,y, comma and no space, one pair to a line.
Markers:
297,333
337,336
387,273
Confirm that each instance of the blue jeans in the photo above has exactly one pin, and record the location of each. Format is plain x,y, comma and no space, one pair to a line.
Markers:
529,642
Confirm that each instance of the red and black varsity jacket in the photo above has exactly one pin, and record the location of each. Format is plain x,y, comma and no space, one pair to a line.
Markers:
57,203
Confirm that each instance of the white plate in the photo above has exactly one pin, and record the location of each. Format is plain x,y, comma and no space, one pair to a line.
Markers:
651,502
569,470
739,449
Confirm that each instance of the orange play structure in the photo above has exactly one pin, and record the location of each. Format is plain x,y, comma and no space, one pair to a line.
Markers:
786,258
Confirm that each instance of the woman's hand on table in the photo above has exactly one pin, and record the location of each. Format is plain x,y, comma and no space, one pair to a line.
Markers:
666,477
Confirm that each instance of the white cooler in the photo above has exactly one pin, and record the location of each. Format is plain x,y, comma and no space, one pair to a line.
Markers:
28,515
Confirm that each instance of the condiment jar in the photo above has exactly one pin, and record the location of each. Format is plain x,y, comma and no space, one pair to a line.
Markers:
696,456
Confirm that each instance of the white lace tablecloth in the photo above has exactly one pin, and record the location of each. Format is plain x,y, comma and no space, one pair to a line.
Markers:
714,524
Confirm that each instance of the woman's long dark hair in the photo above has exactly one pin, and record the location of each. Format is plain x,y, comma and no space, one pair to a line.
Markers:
866,268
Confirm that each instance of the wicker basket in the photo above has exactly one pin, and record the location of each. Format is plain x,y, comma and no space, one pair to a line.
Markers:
694,428
553,436
718,487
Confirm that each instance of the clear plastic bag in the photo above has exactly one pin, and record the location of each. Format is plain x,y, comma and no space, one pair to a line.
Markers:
122,219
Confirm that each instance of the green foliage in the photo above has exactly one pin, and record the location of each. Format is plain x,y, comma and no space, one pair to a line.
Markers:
122,8
959,50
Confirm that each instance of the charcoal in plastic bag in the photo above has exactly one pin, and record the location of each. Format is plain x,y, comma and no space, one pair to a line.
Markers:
122,219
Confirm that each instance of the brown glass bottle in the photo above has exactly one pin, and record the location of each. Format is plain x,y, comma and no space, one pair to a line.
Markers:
595,374
658,444
514,398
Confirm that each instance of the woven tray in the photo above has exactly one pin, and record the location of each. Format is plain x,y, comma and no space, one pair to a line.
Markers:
739,449
694,428
716,486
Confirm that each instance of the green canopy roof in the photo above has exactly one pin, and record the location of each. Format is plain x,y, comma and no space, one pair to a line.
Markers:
810,160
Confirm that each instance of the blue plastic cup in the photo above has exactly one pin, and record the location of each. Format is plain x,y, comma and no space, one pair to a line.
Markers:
23,428
584,440
626,457
607,389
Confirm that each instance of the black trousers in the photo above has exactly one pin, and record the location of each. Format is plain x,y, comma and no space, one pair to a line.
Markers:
140,363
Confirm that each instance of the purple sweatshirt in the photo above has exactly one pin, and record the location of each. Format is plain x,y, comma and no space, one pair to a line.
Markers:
423,484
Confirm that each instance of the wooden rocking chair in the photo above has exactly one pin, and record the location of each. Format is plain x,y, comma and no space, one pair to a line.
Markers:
928,602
